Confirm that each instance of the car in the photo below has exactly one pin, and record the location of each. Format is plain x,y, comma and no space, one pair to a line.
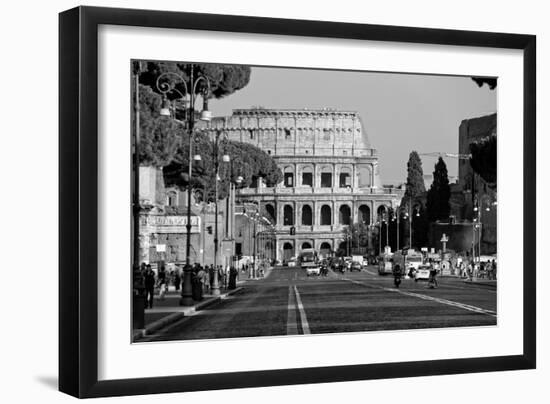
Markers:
313,270
355,266
422,273
291,262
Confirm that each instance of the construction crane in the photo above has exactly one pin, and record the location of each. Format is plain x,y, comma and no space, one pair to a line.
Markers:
453,155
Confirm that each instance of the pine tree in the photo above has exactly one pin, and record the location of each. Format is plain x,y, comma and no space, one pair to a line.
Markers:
415,177
439,194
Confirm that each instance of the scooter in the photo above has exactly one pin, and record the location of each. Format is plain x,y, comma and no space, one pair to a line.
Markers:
397,280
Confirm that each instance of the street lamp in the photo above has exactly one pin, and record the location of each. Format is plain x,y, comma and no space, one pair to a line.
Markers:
166,86
225,158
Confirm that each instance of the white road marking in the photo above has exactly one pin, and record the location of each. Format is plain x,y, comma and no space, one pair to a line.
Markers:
303,318
369,272
291,324
433,299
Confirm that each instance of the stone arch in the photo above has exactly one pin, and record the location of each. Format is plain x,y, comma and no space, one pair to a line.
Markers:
307,173
288,215
326,174
364,176
288,251
288,176
270,210
344,177
325,249
307,215
381,213
306,245
345,215
364,214
326,215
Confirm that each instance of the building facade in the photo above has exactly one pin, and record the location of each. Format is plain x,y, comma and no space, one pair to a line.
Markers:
330,175
479,196
163,225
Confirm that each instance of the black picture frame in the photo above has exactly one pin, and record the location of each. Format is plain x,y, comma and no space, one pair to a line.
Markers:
78,196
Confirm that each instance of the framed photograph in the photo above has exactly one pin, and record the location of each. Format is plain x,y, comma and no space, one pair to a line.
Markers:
273,202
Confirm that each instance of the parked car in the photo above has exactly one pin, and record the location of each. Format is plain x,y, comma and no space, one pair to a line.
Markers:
291,262
355,266
313,270
422,273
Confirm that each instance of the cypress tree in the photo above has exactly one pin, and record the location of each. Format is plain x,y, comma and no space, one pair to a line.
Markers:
439,194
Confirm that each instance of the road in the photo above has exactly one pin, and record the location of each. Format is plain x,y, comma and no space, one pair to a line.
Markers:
288,302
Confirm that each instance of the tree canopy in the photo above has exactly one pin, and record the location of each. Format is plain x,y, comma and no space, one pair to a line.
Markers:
439,194
224,79
415,177
246,160
159,135
484,159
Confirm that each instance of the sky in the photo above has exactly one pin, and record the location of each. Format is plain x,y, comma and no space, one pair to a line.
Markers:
400,112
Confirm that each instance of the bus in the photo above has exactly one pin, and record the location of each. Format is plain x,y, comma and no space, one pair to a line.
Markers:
308,258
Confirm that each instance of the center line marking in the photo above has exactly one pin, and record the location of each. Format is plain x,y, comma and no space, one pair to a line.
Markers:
303,318
291,324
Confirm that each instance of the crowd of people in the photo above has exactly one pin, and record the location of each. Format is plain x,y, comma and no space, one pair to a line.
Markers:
484,270
202,280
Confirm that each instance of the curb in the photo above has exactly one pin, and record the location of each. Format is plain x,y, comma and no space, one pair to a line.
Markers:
492,284
172,318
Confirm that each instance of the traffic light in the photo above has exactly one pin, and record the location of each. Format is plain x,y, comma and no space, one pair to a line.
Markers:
292,231
209,229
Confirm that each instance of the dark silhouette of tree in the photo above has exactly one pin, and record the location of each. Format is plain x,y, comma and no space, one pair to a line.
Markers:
439,194
491,82
159,135
357,234
415,177
484,159
246,160
224,79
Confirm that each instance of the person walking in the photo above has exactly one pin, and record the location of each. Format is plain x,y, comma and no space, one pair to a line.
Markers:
432,281
162,285
177,279
149,286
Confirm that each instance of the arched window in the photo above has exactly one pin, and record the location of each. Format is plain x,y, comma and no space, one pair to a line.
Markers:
325,249
288,177
307,177
345,178
270,210
345,215
364,177
364,214
288,216
326,215
288,251
307,215
306,246
382,213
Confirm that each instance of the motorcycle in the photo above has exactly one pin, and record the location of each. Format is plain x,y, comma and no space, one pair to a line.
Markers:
397,276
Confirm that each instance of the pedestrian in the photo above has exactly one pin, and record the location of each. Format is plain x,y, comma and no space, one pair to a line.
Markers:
201,276
494,266
432,281
149,286
233,273
162,285
177,279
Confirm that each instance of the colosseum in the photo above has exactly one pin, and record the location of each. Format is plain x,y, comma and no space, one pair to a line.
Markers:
331,175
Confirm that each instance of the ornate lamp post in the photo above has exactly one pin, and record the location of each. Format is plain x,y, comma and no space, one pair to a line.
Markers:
166,85
226,159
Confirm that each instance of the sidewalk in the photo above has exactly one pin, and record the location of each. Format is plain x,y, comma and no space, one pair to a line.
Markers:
168,311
